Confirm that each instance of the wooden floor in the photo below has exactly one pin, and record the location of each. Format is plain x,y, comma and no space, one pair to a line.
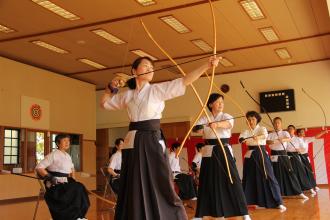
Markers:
317,207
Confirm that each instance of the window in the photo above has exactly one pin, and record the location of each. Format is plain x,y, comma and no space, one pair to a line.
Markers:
53,144
11,146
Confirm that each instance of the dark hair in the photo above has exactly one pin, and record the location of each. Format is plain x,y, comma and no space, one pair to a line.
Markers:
277,118
213,97
59,137
199,146
131,83
175,145
299,130
292,126
255,114
118,140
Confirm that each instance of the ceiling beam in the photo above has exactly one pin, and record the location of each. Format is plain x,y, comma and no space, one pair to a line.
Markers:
204,54
108,21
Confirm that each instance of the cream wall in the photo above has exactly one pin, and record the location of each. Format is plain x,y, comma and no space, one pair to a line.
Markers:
72,110
313,77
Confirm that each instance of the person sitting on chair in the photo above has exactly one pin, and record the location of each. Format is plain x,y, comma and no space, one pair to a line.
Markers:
184,181
66,198
115,166
196,163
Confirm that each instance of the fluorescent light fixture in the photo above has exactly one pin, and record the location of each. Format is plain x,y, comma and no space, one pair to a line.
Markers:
252,9
283,53
56,9
49,46
175,24
5,29
92,63
106,35
146,2
202,45
141,53
225,62
269,34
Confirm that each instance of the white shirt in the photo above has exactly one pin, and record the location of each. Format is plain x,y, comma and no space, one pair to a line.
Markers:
277,144
115,161
221,132
304,141
146,104
258,130
57,161
174,163
296,144
198,159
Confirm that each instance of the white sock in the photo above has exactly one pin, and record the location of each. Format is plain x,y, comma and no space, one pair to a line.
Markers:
316,188
302,196
282,208
246,217
312,191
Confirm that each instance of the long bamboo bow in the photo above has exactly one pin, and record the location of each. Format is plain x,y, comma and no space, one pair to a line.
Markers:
194,89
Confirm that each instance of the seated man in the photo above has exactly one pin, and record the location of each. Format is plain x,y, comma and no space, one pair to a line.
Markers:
196,163
185,182
115,166
66,198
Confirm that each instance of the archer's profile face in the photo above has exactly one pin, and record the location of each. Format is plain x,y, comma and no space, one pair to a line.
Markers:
144,67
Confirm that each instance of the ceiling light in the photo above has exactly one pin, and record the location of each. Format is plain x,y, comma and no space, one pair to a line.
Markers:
269,34
49,46
141,53
283,53
106,35
225,62
5,29
252,9
56,9
202,45
175,24
92,63
146,2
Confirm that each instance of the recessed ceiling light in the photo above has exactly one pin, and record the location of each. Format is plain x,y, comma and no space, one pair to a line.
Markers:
202,45
49,46
146,2
56,9
283,53
252,9
141,53
269,34
225,62
175,24
5,29
106,35
92,63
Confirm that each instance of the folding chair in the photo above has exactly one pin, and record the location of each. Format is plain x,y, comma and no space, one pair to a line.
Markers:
41,193
104,171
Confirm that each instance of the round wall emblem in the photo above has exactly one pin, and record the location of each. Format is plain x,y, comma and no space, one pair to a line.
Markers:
36,112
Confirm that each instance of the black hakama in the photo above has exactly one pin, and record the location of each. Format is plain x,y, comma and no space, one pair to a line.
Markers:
217,196
284,173
67,201
115,182
186,185
300,171
259,190
146,182
308,169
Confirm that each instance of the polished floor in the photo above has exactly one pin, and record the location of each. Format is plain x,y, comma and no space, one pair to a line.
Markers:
317,207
